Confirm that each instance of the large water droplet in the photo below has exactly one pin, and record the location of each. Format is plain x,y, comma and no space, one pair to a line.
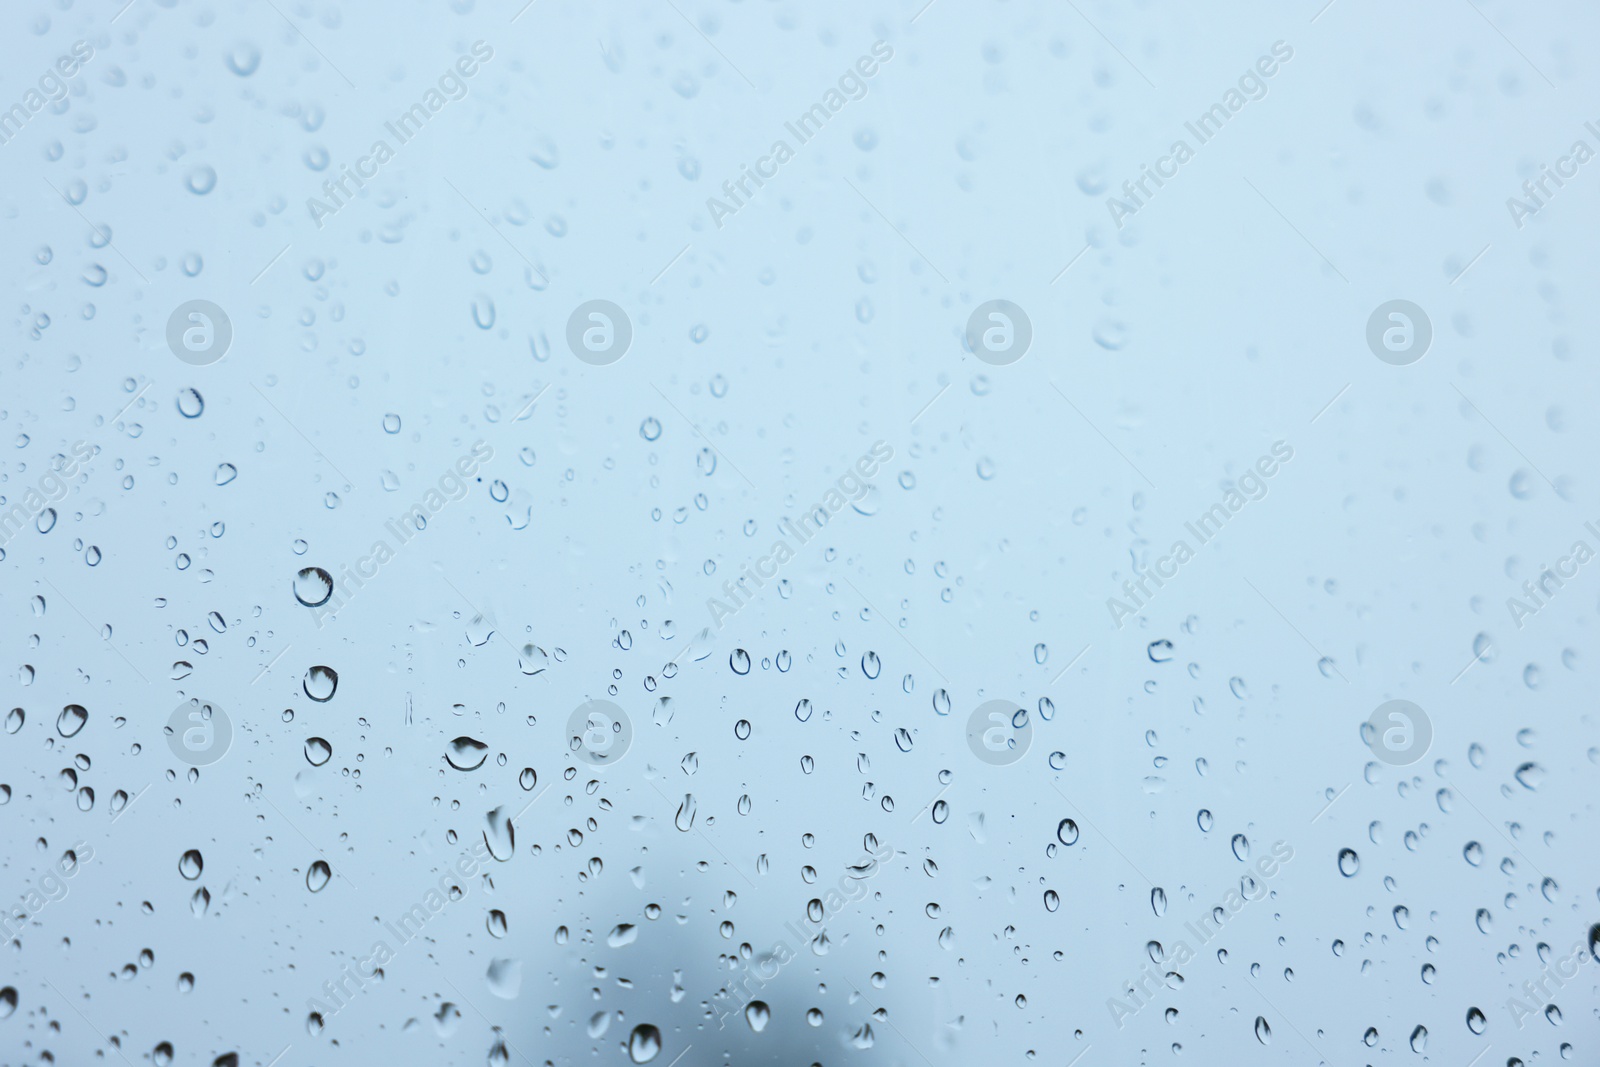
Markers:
320,683
684,820
644,1044
1349,862
71,720
313,586
318,876
504,978
467,753
190,864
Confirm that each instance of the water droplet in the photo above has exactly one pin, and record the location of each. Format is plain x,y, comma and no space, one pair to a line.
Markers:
71,720
871,665
201,179
483,311
504,978
533,660
190,864
644,1044
313,586
320,683
467,753
684,819
318,751
243,59
318,876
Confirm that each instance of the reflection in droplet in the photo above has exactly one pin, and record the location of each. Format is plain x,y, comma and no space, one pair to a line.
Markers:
467,753
320,683
644,1044
318,876
1349,862
243,59
318,751
70,721
190,864
201,179
313,586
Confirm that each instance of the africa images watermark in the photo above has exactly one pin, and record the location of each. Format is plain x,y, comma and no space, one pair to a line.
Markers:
451,486
52,888
452,85
341,990
1540,593
52,488
852,486
1251,485
1538,191
1252,86
54,84
810,122
1555,973
1149,982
